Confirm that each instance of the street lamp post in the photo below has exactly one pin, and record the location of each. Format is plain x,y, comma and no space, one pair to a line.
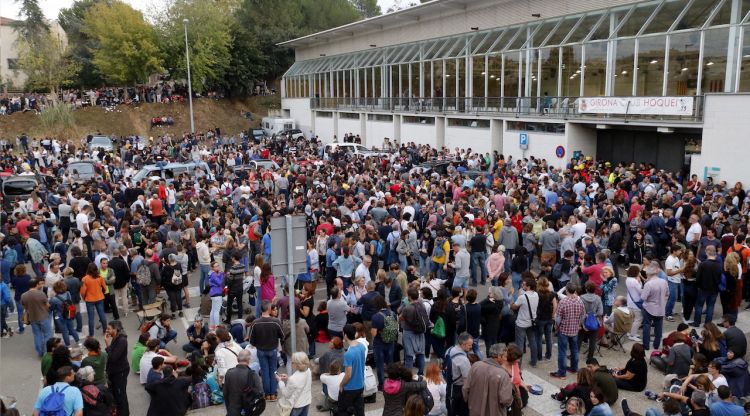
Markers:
190,84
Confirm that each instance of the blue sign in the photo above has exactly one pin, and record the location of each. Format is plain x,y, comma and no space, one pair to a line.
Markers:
523,141
560,152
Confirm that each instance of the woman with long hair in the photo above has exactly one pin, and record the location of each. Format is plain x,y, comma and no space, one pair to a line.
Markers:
267,285
713,345
689,285
732,297
92,292
545,317
437,387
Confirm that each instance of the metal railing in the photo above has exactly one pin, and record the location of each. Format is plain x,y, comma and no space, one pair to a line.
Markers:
552,107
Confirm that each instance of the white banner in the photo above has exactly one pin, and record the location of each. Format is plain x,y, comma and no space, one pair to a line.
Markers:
665,106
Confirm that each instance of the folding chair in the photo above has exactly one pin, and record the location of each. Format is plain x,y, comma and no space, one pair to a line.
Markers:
615,342
150,311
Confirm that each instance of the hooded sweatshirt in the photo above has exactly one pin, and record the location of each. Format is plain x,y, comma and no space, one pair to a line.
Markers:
396,392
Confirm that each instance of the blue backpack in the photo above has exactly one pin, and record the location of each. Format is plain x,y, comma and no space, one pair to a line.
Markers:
378,247
448,366
590,323
54,403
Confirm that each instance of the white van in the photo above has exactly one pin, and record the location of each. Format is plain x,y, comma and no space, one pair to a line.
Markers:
353,149
276,125
169,171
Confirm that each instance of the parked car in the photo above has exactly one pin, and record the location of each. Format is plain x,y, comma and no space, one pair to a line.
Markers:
353,149
169,171
81,171
257,135
100,142
294,133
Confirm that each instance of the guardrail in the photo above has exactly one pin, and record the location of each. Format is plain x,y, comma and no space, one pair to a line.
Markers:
557,107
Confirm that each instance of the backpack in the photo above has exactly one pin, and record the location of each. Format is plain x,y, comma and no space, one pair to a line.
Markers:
54,403
253,402
448,366
201,395
590,323
439,251
68,308
420,326
438,331
389,333
143,275
378,247
147,326
96,402
137,238
557,271
176,277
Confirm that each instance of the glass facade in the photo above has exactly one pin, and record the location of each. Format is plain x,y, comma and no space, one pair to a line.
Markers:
651,48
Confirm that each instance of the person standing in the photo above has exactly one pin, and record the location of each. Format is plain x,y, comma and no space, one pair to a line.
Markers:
265,334
461,264
353,384
526,305
414,320
117,365
74,288
92,292
655,294
634,287
296,390
59,305
204,261
569,315
707,279
674,268
234,278
237,380
215,292
460,367
35,304
488,388
383,341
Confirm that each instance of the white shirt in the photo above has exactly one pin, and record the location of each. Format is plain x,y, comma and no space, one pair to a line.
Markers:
82,219
694,233
145,365
633,294
673,263
363,271
333,383
578,230
523,320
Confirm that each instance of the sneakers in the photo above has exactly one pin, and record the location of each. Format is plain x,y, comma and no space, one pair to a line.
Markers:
635,338
670,318
557,375
625,407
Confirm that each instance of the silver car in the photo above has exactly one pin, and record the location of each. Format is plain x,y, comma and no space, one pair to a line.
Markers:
101,142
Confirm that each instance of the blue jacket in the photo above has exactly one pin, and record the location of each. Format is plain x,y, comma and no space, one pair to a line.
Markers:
5,298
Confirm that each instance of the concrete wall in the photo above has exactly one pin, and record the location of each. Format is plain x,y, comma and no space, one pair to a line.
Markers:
725,139
324,128
580,137
418,133
444,20
299,110
377,131
541,145
478,139
349,125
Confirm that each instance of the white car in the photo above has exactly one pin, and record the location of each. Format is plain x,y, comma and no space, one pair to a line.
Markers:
101,142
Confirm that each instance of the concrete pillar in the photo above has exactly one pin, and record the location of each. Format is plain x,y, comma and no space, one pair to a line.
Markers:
496,133
440,123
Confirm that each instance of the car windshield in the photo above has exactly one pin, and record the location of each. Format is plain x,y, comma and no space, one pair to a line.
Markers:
101,141
83,169
16,188
141,174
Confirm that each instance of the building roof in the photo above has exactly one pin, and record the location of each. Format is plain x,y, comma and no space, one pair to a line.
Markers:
412,14
5,21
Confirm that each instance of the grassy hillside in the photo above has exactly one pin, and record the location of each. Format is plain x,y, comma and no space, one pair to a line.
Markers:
228,115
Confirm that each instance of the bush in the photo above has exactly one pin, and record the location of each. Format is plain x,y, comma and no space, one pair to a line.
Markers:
58,120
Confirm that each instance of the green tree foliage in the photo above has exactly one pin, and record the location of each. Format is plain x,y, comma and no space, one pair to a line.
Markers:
72,21
125,47
209,40
45,62
367,8
324,14
32,27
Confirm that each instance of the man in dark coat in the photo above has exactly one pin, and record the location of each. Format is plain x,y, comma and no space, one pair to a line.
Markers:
169,396
236,380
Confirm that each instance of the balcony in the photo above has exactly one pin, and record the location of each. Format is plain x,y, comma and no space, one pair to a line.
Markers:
528,107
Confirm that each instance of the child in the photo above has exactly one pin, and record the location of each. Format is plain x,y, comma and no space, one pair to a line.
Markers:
321,322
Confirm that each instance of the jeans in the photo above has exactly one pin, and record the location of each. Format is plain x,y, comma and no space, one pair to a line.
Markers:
38,269
300,411
42,332
118,383
563,342
19,309
479,261
708,299
424,264
99,308
268,364
383,354
412,354
521,335
171,335
205,270
438,269
657,322
215,317
508,259
516,280
689,296
403,262
67,327
674,288
544,327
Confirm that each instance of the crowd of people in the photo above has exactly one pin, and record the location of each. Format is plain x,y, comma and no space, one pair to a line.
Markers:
400,252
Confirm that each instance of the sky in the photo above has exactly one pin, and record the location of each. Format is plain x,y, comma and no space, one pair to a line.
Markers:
9,8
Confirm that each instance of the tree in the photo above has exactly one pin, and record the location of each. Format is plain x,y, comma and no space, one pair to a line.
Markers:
367,8
124,48
324,14
209,40
33,27
72,21
45,63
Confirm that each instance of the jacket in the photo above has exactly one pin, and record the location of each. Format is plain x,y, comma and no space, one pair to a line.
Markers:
508,237
93,288
235,380
169,397
216,283
495,265
488,390
297,391
117,355
396,392
122,271
736,374
604,380
394,296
